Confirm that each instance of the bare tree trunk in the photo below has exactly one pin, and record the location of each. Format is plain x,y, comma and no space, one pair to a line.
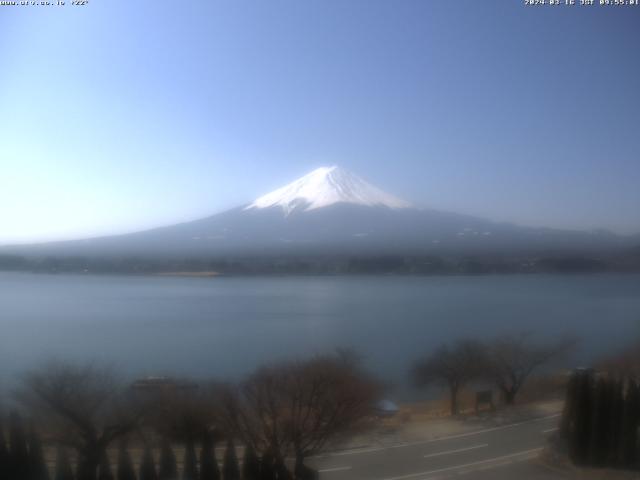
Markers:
88,465
301,471
297,470
455,409
509,396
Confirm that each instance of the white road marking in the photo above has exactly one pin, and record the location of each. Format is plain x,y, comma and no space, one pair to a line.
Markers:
548,430
449,452
335,469
492,429
440,439
497,460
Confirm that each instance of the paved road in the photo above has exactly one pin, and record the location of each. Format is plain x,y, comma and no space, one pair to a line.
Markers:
503,452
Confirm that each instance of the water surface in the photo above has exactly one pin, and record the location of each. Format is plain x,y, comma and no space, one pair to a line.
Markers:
224,327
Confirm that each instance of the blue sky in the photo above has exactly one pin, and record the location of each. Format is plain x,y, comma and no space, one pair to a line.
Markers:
124,115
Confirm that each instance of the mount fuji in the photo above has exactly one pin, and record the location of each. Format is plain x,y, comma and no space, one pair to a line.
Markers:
331,212
324,187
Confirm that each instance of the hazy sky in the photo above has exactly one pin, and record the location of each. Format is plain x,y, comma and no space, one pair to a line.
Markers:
123,115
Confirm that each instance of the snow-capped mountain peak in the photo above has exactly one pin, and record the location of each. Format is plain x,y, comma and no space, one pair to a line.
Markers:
326,186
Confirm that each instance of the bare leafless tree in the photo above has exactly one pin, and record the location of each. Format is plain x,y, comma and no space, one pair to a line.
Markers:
452,366
185,413
82,407
512,358
299,407
329,398
255,410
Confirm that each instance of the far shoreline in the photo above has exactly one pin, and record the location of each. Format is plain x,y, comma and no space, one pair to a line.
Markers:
206,274
320,274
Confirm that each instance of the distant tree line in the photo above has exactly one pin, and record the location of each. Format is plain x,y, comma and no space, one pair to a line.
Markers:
328,264
506,362
278,416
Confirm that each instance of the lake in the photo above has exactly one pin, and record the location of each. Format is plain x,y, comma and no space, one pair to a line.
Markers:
224,327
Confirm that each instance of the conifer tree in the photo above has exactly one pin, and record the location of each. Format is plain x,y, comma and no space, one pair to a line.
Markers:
580,435
267,466
125,465
18,453
251,464
168,464
63,466
631,421
104,468
600,423
567,422
37,466
281,470
86,469
208,463
148,466
4,454
615,418
230,467
190,464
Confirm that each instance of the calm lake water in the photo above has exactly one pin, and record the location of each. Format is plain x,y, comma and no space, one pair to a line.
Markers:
224,327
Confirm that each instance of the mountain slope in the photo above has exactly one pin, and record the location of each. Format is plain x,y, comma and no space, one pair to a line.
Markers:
331,211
